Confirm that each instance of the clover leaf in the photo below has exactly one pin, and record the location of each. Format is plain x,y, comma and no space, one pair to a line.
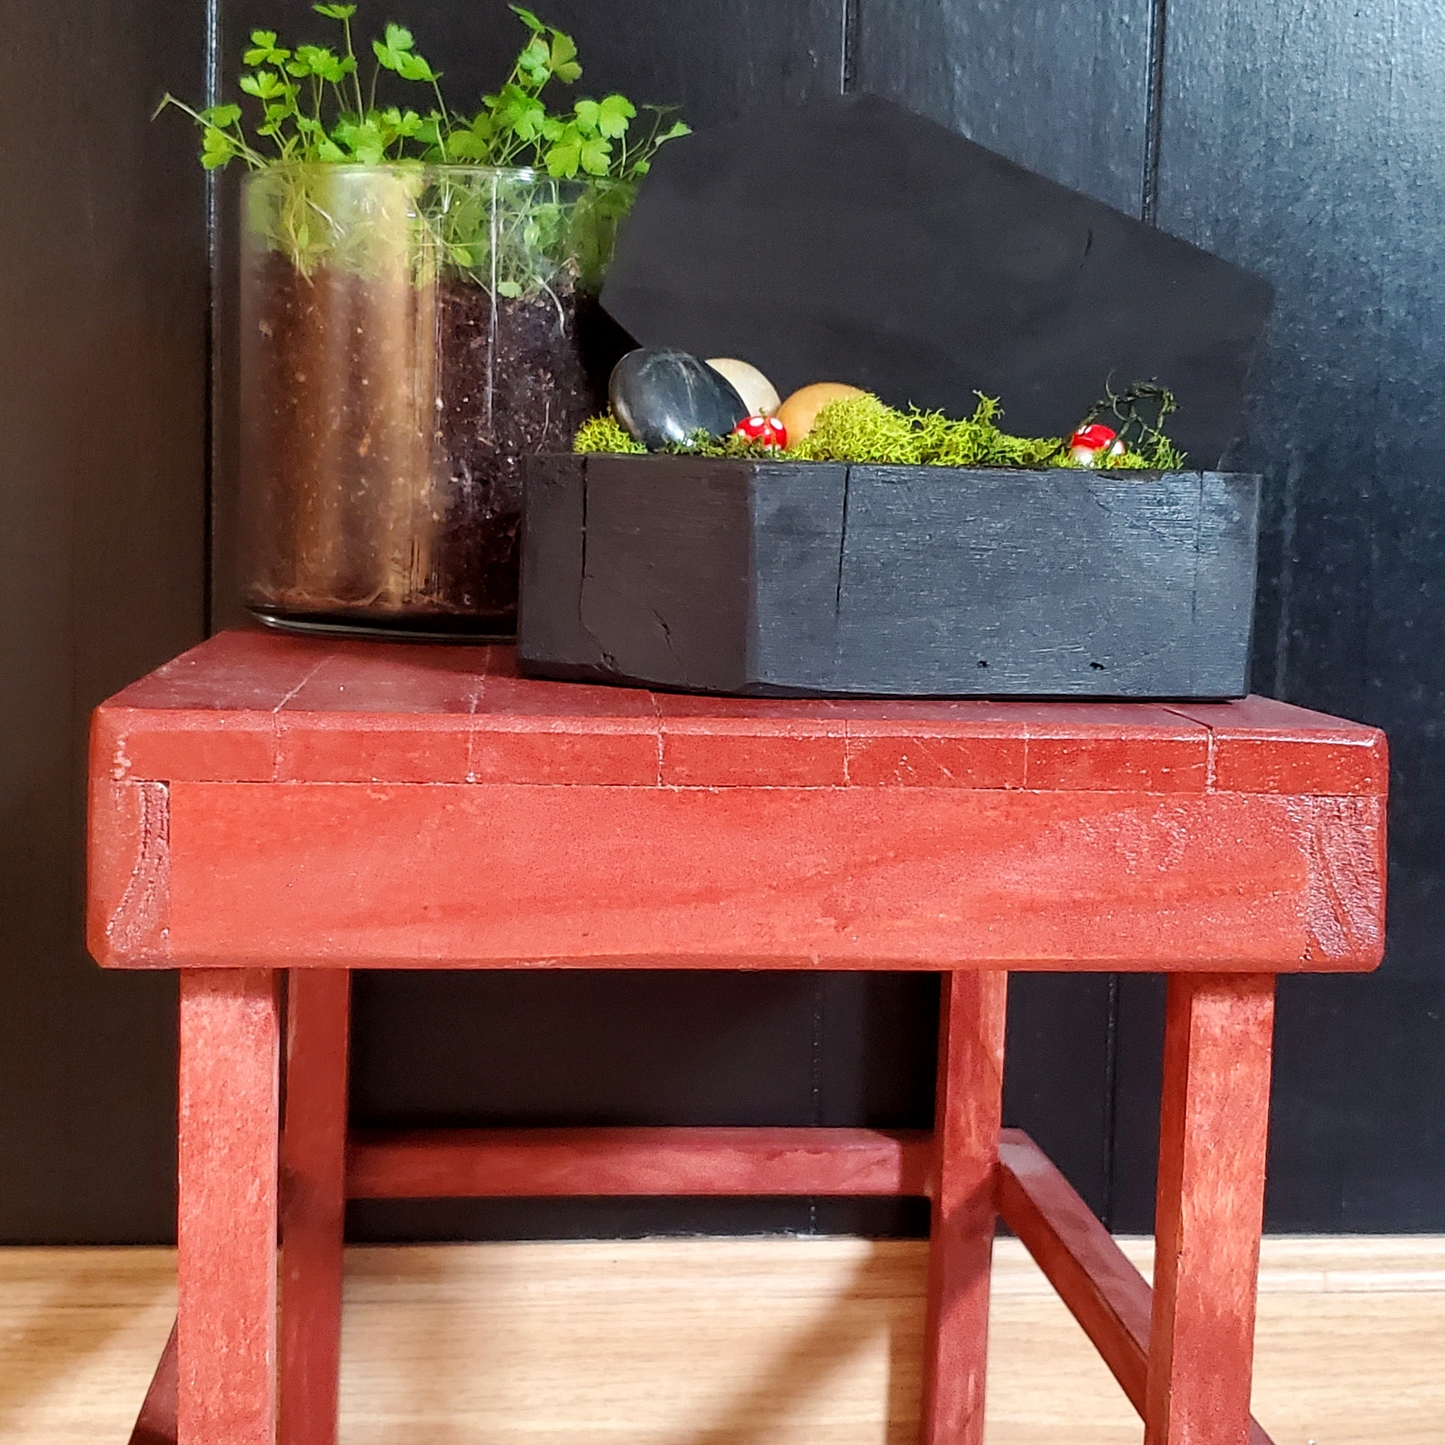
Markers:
613,115
264,50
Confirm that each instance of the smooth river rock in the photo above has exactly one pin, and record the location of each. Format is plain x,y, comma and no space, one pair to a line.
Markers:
662,397
759,395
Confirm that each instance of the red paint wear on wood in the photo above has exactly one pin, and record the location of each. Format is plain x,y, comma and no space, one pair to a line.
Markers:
1347,859
497,1163
712,832
248,671
128,859
266,800
1213,1126
156,745
335,748
909,756
960,1252
745,758
313,1203
226,1227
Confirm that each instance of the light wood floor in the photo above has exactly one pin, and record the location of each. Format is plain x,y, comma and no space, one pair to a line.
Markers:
724,1342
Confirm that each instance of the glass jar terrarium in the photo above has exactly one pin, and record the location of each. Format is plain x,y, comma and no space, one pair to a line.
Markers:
409,334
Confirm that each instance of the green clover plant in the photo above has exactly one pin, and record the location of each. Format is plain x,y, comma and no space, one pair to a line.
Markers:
310,108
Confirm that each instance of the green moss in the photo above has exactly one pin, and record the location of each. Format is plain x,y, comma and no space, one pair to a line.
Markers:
1161,455
864,429
604,434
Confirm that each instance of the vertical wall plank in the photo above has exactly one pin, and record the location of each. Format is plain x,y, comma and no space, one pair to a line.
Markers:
1307,142
1058,1081
1063,88
102,507
680,1048
1060,86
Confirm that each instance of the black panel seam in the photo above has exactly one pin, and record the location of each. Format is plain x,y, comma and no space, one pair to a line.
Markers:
1111,1100
213,261
820,1004
1154,114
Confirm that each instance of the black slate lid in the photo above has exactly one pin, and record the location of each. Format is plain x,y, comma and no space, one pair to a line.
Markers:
853,241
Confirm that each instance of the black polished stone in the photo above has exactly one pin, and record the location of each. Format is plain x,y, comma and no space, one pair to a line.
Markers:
664,396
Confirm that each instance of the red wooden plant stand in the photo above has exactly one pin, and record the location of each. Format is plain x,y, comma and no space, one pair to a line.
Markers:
267,804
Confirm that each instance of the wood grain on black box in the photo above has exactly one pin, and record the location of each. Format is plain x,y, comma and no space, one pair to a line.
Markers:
812,579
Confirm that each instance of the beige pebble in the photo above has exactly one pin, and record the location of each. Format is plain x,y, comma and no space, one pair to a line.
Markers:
759,395
801,409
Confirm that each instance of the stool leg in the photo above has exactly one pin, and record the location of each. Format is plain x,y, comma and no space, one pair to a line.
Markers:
313,1203
967,1117
1213,1125
226,1224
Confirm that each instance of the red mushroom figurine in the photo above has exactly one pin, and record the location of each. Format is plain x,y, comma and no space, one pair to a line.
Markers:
764,430
1091,442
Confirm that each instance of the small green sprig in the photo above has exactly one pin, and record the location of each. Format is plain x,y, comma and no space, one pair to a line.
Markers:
311,103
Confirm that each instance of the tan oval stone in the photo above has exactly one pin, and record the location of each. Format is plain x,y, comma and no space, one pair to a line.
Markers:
759,395
801,409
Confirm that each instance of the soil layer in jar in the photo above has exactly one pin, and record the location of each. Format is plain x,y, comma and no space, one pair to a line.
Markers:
513,383
386,430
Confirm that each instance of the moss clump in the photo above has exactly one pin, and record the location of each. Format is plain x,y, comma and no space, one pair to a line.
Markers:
604,434
865,429
862,429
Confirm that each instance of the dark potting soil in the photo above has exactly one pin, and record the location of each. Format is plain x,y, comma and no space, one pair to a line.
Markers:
507,392
386,430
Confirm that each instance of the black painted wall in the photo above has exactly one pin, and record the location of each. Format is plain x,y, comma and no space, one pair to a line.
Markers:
1304,142
103,291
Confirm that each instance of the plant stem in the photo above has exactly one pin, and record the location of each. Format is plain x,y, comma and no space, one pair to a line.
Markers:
355,70
442,122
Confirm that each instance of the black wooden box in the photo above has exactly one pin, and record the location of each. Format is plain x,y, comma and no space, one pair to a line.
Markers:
797,579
